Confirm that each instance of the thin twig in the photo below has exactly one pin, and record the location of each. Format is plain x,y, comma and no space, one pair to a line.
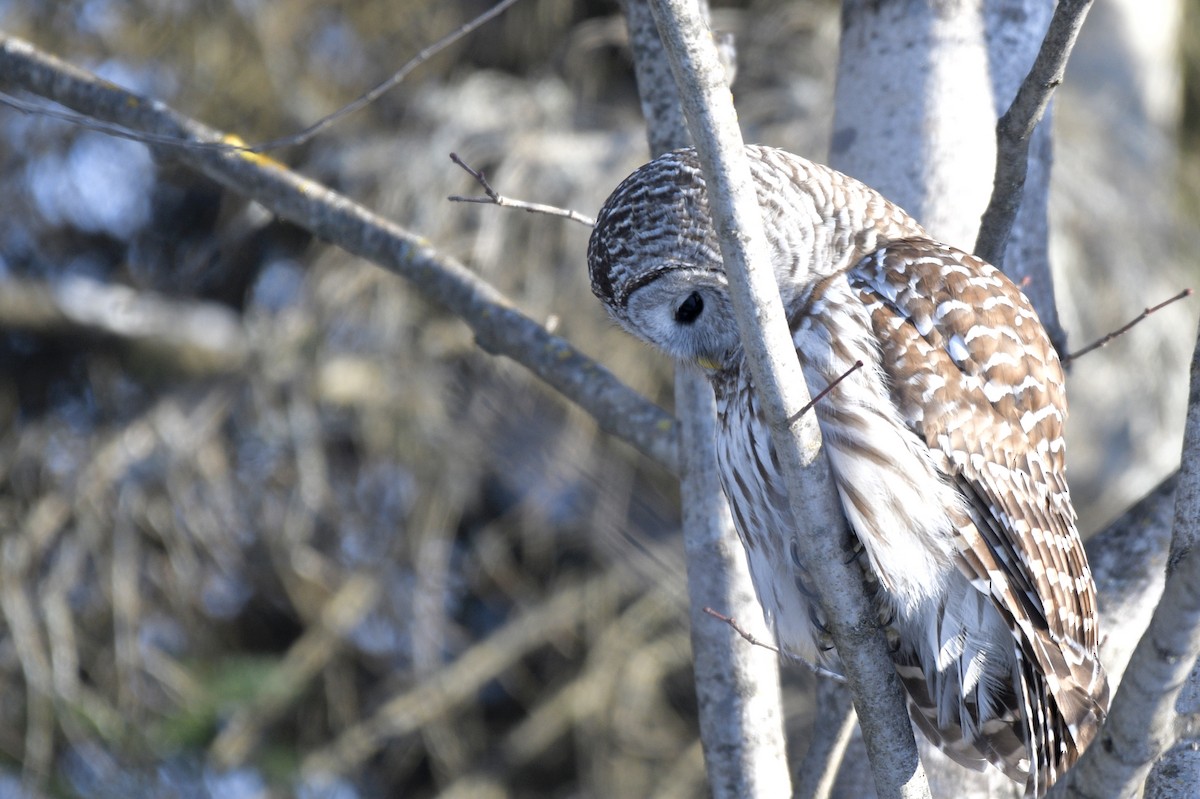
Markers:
1095,345
384,87
495,198
107,128
738,696
780,388
305,135
1140,725
820,395
754,640
743,632
1016,126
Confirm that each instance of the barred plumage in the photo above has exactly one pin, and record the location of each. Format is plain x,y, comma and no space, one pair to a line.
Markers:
946,447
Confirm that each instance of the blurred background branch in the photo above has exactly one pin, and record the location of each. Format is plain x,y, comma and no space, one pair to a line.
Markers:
498,327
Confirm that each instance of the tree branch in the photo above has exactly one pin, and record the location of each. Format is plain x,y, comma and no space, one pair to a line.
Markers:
1140,724
737,686
1105,340
198,337
1017,125
493,197
666,126
499,328
708,106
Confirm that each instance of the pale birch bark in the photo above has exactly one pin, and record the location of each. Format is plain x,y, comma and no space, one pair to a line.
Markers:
823,536
914,114
737,685
920,87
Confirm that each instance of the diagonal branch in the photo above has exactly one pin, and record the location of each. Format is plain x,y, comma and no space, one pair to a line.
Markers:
1141,722
737,687
1016,126
499,328
1105,340
823,393
733,203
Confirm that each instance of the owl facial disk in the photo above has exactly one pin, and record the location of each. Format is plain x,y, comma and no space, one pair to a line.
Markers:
685,312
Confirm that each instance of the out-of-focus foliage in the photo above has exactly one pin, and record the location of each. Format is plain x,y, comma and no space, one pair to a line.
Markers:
349,555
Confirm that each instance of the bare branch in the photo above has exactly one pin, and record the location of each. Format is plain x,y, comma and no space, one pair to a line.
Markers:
1102,342
499,328
495,198
820,395
746,635
1141,722
737,688
1017,125
824,536
666,126
590,691
458,682
195,336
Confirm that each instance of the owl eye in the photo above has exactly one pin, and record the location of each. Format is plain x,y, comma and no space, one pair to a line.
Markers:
689,309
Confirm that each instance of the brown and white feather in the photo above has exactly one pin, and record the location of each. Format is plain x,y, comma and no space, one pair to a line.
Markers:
946,447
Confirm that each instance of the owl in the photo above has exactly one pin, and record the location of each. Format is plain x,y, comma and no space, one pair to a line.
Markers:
946,447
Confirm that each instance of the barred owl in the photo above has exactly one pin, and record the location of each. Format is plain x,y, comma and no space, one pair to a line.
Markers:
946,447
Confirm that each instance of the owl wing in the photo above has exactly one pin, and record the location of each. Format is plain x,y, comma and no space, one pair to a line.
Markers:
973,373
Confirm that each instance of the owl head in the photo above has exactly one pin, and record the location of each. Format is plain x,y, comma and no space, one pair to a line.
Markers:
655,261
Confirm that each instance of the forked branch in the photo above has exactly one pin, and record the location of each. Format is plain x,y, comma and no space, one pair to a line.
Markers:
493,197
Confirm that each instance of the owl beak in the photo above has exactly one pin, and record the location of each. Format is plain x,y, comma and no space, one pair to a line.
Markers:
711,364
